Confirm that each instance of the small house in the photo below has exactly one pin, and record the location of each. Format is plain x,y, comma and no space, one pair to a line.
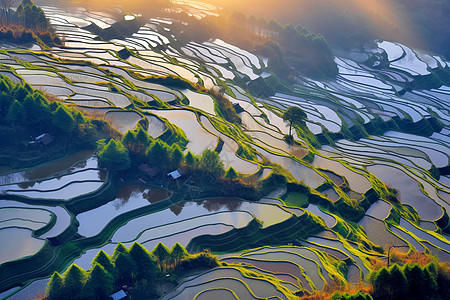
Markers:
44,139
119,295
174,175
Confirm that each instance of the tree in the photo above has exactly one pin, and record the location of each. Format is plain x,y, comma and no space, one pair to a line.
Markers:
16,113
114,156
146,265
120,248
189,159
158,154
74,281
6,6
210,162
176,156
55,287
178,252
161,252
294,116
381,284
100,283
126,269
231,174
63,120
104,260
398,282
416,280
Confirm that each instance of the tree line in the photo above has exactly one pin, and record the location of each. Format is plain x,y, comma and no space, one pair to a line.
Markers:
412,282
137,268
27,23
287,47
137,147
25,112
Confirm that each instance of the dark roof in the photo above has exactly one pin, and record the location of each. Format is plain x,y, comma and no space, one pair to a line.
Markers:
149,170
44,139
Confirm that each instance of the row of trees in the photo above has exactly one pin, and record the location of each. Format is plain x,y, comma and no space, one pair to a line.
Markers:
412,282
24,107
27,24
137,147
26,14
135,267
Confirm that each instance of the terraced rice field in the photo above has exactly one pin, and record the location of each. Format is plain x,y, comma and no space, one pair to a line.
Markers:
385,132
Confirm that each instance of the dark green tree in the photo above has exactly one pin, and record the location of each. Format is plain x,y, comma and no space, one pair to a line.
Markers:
176,156
63,120
211,163
16,113
126,269
190,159
294,116
416,281
74,280
100,283
178,252
55,287
398,282
114,156
120,249
19,92
104,260
158,154
146,265
129,139
231,174
162,253
381,284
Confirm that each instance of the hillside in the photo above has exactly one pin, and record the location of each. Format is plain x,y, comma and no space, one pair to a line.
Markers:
269,176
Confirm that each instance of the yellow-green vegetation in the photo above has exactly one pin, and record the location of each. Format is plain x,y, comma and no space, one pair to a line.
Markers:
136,267
296,199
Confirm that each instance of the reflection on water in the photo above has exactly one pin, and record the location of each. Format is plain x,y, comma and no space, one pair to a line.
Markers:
77,161
133,191
232,204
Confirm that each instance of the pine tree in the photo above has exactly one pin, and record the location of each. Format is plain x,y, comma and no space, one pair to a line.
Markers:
161,252
146,265
63,120
178,252
114,156
158,154
74,280
231,174
55,287
126,269
190,159
120,249
100,283
176,156
104,260
16,113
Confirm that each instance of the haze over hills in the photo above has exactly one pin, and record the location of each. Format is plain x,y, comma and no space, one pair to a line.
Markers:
423,24
191,150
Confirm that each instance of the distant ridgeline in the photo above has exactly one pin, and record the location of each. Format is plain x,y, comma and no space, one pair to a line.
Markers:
27,24
290,49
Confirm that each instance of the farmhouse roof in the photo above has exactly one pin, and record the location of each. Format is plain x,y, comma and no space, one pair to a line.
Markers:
119,295
175,174
44,139
149,170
